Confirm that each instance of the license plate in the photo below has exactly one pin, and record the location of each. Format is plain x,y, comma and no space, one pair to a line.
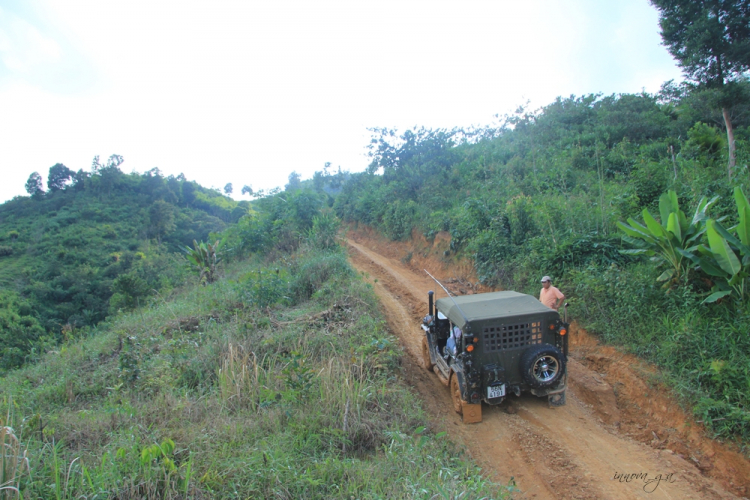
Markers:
496,391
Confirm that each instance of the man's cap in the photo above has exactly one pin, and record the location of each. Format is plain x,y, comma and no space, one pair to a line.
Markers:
546,278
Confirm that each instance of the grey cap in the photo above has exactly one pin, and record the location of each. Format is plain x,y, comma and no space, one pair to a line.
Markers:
546,278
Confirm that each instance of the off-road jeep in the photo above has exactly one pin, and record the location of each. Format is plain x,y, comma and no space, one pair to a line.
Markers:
489,345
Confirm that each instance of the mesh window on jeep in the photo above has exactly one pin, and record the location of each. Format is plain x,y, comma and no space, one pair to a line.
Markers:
496,338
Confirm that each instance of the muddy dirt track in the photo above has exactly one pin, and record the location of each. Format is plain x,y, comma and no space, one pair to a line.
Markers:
576,451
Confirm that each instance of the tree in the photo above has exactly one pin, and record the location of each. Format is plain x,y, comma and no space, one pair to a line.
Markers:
109,173
295,182
35,185
128,289
711,41
247,190
59,176
79,180
114,161
228,189
161,219
413,159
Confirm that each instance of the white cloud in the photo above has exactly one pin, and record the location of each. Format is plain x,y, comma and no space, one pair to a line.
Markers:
24,50
246,92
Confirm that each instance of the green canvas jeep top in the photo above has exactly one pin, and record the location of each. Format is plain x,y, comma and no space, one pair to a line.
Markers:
489,345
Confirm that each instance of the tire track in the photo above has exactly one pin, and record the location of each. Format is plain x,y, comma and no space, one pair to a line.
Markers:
566,452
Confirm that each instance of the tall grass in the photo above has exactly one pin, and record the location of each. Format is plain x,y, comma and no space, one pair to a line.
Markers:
704,350
12,462
244,382
206,395
13,458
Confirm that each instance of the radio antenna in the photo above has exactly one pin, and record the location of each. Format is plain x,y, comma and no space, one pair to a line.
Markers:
449,295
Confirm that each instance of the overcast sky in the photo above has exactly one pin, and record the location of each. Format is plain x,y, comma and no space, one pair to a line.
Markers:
248,91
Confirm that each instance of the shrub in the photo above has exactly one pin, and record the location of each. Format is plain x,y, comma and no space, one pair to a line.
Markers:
491,249
398,219
205,259
324,229
265,288
591,249
128,290
315,270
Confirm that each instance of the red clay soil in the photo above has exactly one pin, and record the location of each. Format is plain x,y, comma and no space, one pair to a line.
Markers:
619,418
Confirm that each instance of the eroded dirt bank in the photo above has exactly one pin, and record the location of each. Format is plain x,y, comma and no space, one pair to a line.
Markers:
618,420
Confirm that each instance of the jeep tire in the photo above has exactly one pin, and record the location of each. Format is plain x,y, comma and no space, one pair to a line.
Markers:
456,394
542,366
426,359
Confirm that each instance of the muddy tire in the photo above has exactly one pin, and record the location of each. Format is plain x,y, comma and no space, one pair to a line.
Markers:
426,359
456,395
542,366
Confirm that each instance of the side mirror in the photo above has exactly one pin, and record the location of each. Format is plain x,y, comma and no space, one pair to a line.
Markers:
565,309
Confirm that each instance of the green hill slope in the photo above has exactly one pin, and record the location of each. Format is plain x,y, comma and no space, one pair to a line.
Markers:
278,379
95,243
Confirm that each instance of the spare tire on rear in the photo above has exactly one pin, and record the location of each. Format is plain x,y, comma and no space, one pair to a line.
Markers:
542,366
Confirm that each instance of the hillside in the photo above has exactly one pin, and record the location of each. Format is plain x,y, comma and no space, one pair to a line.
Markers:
542,193
274,378
94,243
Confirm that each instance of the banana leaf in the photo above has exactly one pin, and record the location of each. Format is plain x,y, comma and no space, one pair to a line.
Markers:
701,212
673,226
706,264
672,239
637,230
737,279
716,296
743,210
666,275
636,251
685,226
654,227
744,249
696,236
668,204
637,243
725,257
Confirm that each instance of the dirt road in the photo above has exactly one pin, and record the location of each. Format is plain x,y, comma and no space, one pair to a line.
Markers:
583,450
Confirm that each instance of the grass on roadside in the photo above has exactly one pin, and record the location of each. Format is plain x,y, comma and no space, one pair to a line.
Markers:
279,381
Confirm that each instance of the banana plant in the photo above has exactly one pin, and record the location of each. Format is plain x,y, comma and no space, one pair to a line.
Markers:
666,241
204,257
727,258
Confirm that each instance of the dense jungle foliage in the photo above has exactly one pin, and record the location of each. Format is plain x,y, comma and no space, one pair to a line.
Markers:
541,193
274,378
92,244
